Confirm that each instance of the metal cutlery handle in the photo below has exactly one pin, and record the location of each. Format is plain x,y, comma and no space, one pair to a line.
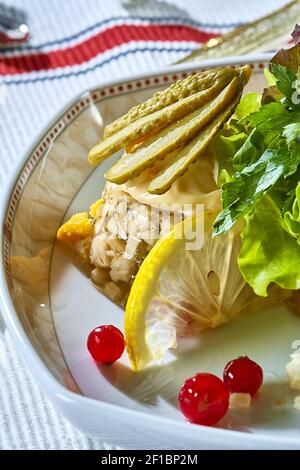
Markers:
13,26
250,37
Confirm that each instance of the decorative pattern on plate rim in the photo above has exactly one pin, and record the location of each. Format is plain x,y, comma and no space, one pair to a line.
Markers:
82,104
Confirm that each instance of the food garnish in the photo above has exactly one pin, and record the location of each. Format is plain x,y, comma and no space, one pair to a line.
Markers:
262,181
175,135
204,399
144,126
177,91
174,124
106,344
183,159
242,375
163,306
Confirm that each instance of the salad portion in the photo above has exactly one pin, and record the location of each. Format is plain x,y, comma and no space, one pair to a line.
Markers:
199,221
161,139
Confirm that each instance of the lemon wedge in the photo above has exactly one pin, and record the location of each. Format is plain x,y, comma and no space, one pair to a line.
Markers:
179,291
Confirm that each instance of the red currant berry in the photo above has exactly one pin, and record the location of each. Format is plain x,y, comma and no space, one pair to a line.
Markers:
242,375
204,399
106,344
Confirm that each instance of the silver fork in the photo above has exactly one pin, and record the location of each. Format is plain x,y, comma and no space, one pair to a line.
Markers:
263,34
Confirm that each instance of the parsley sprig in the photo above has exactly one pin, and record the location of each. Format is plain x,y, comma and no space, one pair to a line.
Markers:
270,156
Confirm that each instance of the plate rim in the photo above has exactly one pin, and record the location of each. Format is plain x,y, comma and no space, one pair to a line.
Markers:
52,387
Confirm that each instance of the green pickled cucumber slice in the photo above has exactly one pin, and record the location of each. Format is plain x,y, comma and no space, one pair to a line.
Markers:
156,120
189,153
178,90
172,136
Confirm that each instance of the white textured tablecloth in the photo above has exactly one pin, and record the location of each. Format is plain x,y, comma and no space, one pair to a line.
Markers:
35,93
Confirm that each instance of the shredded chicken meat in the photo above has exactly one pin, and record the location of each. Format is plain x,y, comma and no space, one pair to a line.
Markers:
124,233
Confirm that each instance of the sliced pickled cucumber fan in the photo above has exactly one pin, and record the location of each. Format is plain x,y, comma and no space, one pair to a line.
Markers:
178,90
188,154
145,125
194,108
174,136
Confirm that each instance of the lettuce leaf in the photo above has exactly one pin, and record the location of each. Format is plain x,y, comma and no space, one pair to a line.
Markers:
271,80
264,185
225,146
232,137
288,58
269,253
292,218
248,104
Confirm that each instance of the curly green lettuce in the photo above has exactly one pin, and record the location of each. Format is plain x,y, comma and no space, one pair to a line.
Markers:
269,253
292,217
262,180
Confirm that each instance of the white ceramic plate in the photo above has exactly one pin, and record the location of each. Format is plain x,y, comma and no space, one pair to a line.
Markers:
50,306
